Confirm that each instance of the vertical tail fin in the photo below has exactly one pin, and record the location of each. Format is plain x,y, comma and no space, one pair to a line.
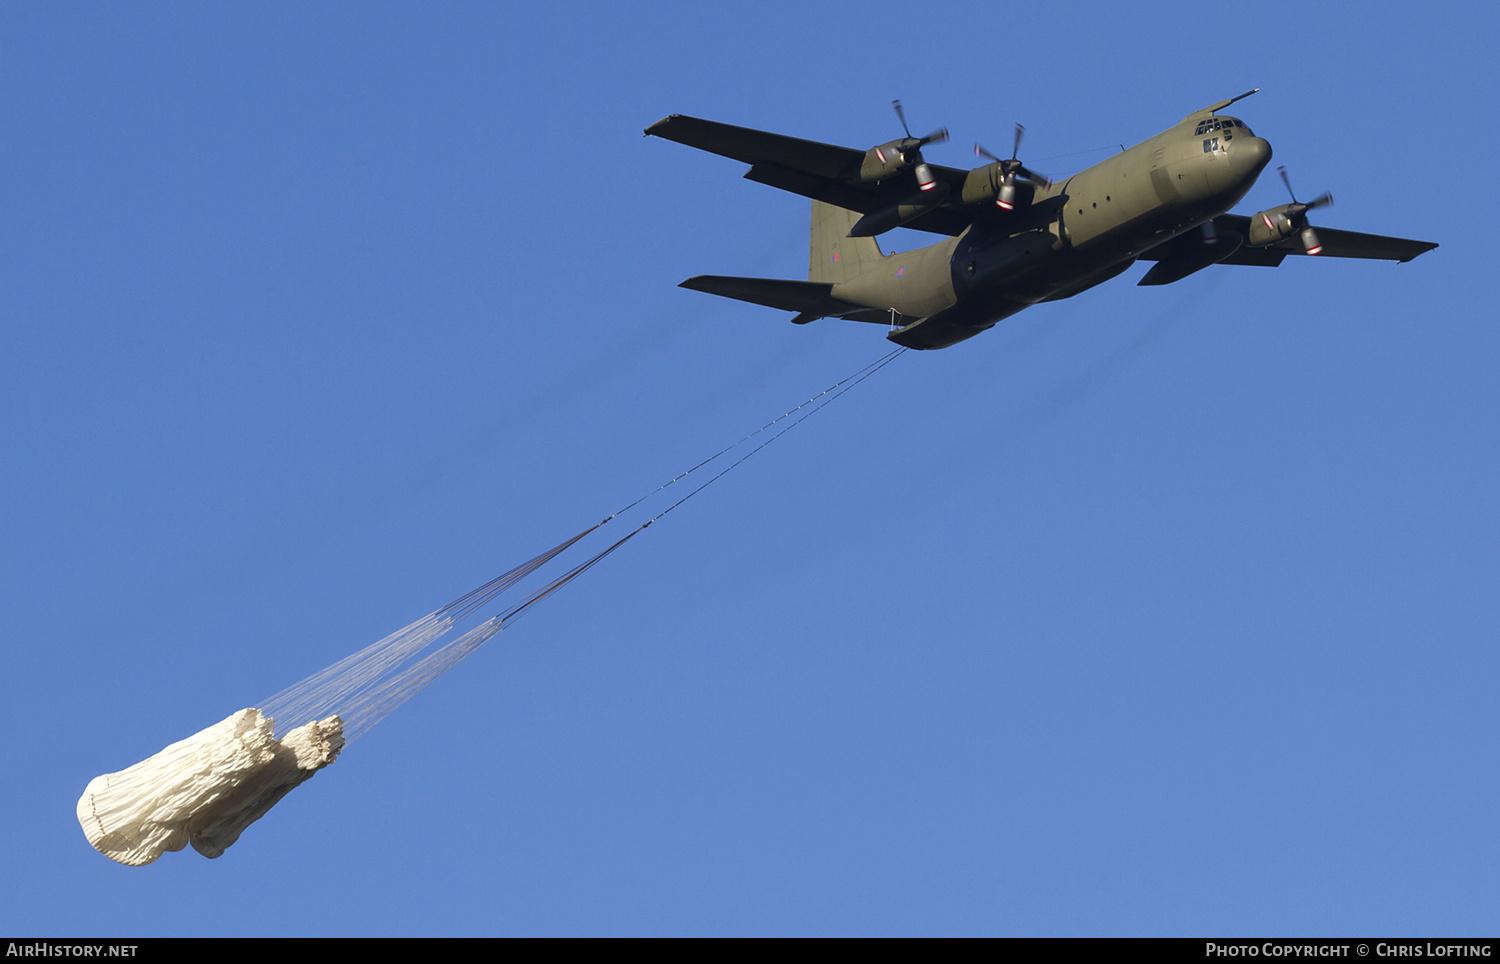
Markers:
834,256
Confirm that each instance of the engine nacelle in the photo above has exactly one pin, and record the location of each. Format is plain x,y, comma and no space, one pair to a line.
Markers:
989,183
983,183
888,159
1272,225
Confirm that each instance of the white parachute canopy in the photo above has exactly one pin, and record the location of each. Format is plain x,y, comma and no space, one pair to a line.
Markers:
204,790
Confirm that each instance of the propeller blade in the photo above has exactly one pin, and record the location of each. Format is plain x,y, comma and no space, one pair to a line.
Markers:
1310,242
925,180
1006,199
936,137
901,116
1317,202
1288,182
1034,177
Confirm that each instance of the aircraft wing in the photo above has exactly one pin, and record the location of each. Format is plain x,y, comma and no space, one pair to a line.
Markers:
821,171
1336,244
1353,244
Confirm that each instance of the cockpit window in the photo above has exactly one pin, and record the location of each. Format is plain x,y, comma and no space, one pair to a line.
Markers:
1221,123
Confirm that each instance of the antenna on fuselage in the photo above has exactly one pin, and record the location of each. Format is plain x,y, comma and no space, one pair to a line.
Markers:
1209,111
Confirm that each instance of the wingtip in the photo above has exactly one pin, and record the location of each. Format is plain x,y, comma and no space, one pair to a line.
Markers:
653,130
1431,246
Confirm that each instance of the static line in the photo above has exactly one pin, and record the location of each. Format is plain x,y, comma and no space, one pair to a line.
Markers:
831,393
863,373
853,380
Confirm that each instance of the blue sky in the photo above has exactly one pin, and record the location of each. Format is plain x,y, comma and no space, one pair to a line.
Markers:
1155,611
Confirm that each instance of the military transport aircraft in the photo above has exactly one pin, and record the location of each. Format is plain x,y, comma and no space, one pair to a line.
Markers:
1015,238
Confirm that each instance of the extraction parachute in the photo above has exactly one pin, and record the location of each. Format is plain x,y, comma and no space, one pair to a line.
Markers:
205,790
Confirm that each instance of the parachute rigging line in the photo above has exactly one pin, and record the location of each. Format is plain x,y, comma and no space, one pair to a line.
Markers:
832,392
852,380
363,688
347,686
855,379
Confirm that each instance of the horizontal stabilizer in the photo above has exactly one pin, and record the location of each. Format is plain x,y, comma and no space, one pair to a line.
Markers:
813,299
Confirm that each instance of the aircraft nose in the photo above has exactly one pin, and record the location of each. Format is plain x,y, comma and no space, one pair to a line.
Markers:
1250,156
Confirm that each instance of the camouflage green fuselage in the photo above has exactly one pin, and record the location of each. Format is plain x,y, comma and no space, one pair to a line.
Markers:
1072,235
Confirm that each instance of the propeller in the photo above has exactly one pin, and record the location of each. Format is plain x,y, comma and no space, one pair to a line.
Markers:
1005,199
1297,213
911,149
